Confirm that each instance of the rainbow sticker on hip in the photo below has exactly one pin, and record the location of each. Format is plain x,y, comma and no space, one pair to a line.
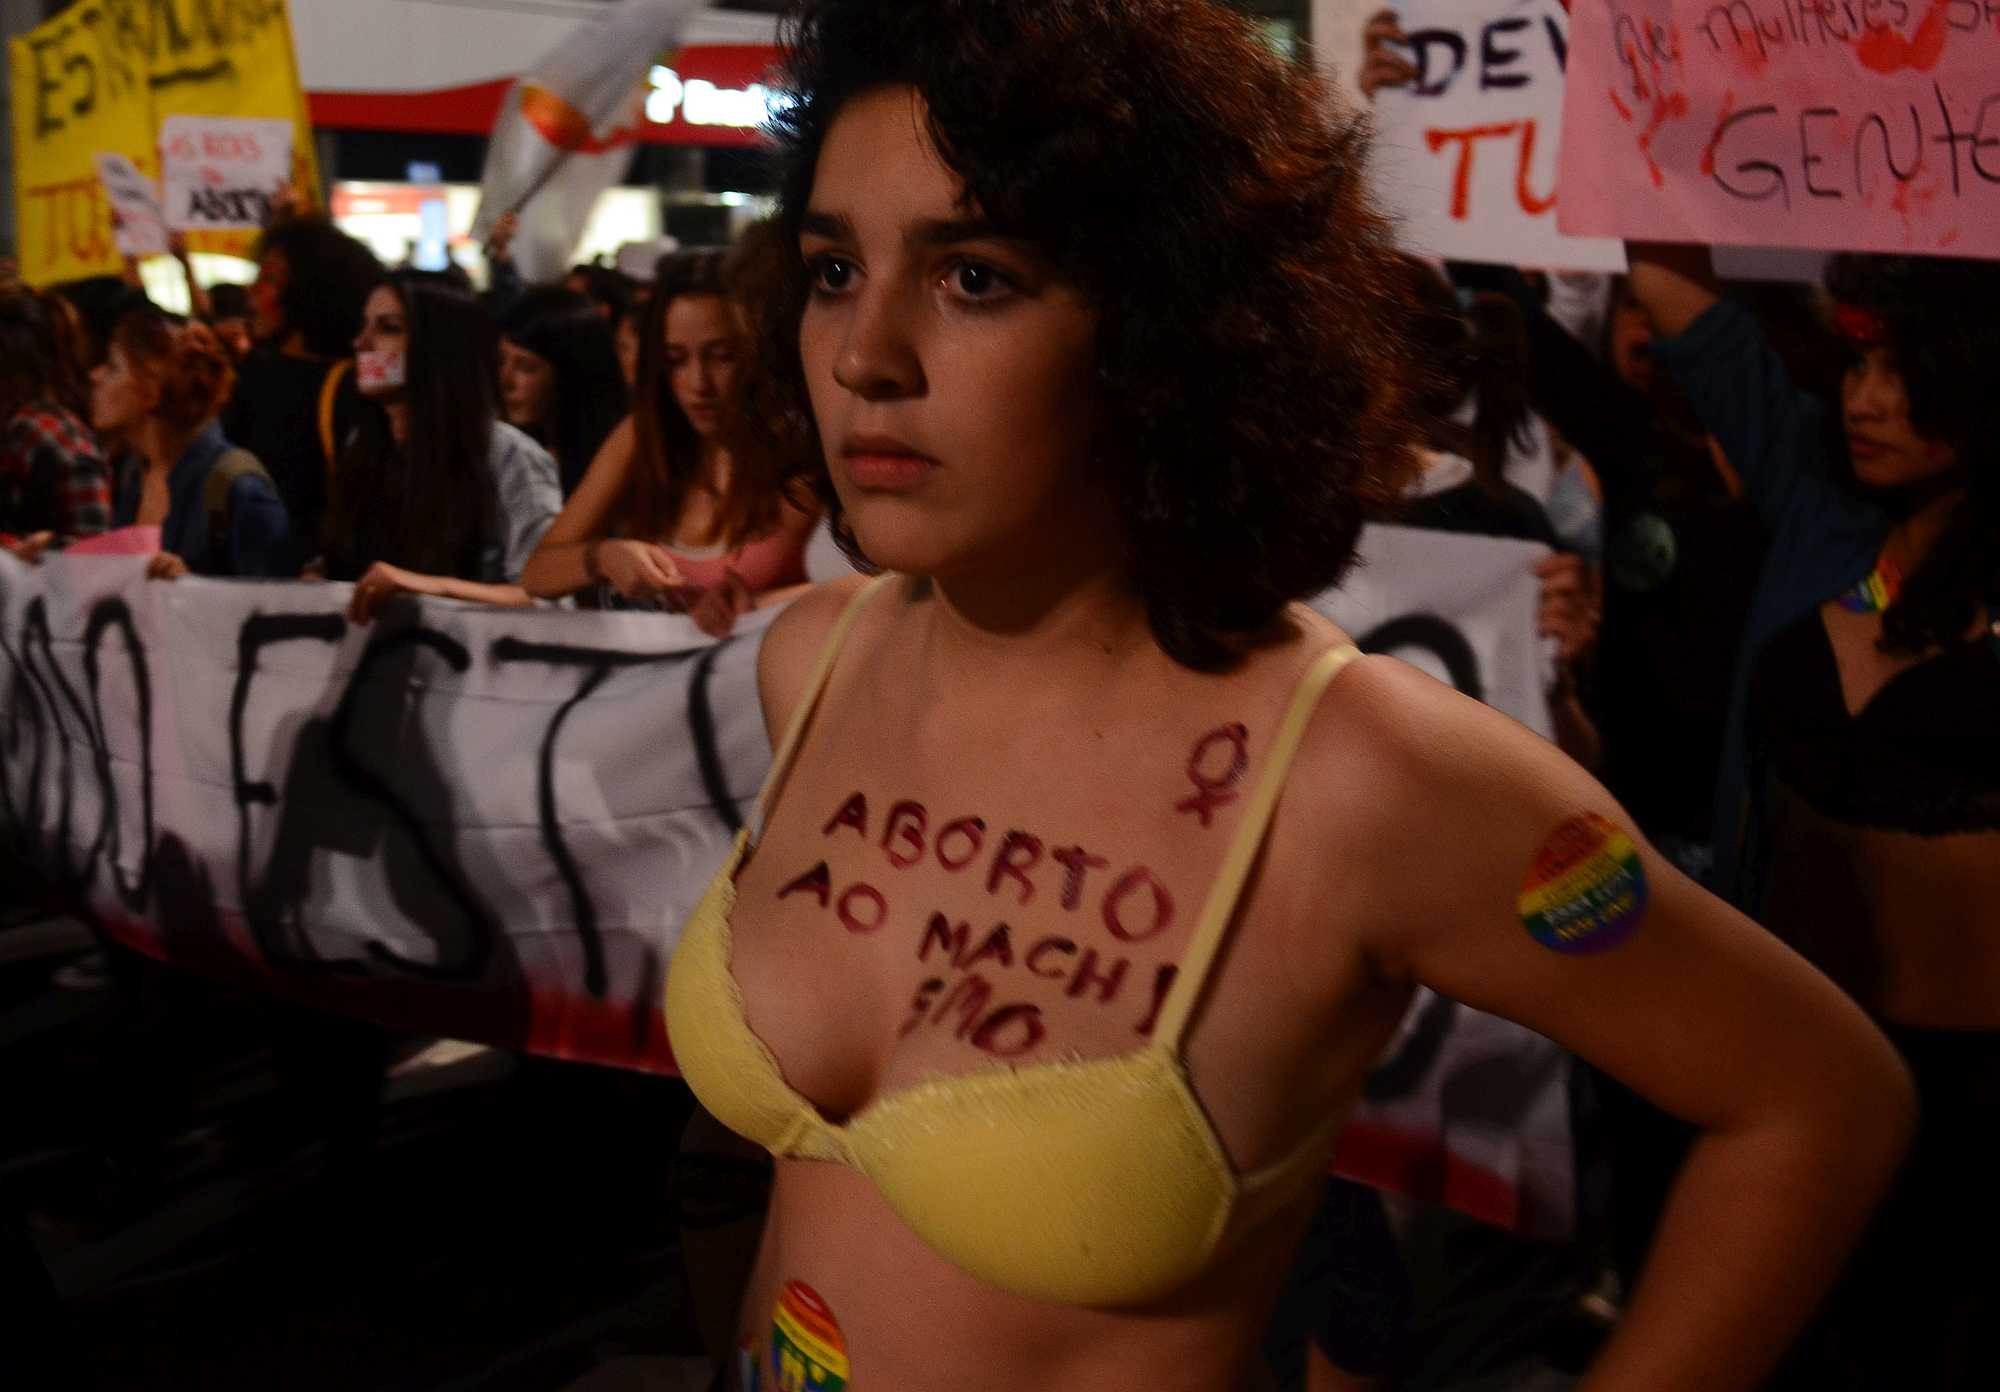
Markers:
808,1353
1586,891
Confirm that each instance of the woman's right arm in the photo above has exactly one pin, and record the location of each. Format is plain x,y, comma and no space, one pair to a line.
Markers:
1771,431
572,555
1675,282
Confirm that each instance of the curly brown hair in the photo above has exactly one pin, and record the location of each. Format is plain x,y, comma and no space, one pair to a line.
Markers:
1207,197
193,369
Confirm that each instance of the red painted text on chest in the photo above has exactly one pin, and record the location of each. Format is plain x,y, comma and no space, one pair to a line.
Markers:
1015,869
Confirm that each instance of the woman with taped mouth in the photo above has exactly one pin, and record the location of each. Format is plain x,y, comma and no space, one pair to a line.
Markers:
1858,813
436,495
1093,872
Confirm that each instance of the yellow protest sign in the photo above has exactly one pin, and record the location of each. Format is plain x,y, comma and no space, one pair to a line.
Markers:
101,77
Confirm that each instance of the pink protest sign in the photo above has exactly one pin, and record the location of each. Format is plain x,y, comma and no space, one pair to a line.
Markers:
126,541
1864,125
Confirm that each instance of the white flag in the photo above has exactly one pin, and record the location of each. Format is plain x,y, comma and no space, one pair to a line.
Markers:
565,133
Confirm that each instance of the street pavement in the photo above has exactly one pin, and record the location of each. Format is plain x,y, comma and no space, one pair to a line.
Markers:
203,1189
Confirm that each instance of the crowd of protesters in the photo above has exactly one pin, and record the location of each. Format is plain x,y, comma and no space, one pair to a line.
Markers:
1772,603
400,431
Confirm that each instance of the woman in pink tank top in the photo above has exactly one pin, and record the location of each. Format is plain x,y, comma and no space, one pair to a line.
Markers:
668,517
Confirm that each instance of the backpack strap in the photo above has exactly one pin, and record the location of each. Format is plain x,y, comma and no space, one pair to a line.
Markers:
329,396
215,491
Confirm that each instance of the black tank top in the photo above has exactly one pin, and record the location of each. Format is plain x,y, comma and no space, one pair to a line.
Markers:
1923,756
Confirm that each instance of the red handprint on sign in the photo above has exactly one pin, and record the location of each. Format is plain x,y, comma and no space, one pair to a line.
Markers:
1649,50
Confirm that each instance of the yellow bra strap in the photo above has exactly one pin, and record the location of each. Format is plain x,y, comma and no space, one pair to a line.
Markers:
1220,910
795,734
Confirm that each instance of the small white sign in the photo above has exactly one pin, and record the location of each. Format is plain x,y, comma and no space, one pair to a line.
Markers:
1466,154
135,204
221,172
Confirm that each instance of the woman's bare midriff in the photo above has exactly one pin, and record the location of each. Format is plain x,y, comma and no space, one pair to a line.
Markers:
911,1320
1908,925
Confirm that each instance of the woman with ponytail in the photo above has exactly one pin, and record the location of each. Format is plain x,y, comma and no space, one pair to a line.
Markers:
1858,814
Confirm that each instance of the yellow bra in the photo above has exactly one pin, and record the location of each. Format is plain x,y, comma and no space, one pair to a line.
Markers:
1093,1182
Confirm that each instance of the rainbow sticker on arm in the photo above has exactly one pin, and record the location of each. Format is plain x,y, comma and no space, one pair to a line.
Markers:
808,1353
1586,891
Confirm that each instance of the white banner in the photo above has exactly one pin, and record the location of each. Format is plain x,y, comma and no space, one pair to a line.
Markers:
1466,155
1465,1109
1462,608
489,824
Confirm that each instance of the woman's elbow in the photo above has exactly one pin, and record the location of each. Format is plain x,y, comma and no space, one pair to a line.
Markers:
1897,1109
1864,1110
537,577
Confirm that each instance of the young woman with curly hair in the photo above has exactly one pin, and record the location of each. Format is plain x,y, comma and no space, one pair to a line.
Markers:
669,516
1049,1021
159,390
1858,814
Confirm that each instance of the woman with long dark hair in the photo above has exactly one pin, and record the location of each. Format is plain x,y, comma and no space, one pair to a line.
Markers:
1858,814
1094,873
54,483
668,515
436,495
295,399
559,377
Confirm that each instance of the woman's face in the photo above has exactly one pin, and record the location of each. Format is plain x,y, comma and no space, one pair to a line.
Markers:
1632,345
267,294
383,345
626,341
703,345
1875,407
121,395
527,385
951,371
234,331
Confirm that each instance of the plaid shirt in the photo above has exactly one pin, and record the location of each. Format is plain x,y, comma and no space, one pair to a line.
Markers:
51,476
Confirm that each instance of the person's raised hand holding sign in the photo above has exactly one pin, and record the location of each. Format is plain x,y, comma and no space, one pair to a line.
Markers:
1381,65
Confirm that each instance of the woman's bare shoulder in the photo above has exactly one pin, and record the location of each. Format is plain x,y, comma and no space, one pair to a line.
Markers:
793,644
1390,741
1422,806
